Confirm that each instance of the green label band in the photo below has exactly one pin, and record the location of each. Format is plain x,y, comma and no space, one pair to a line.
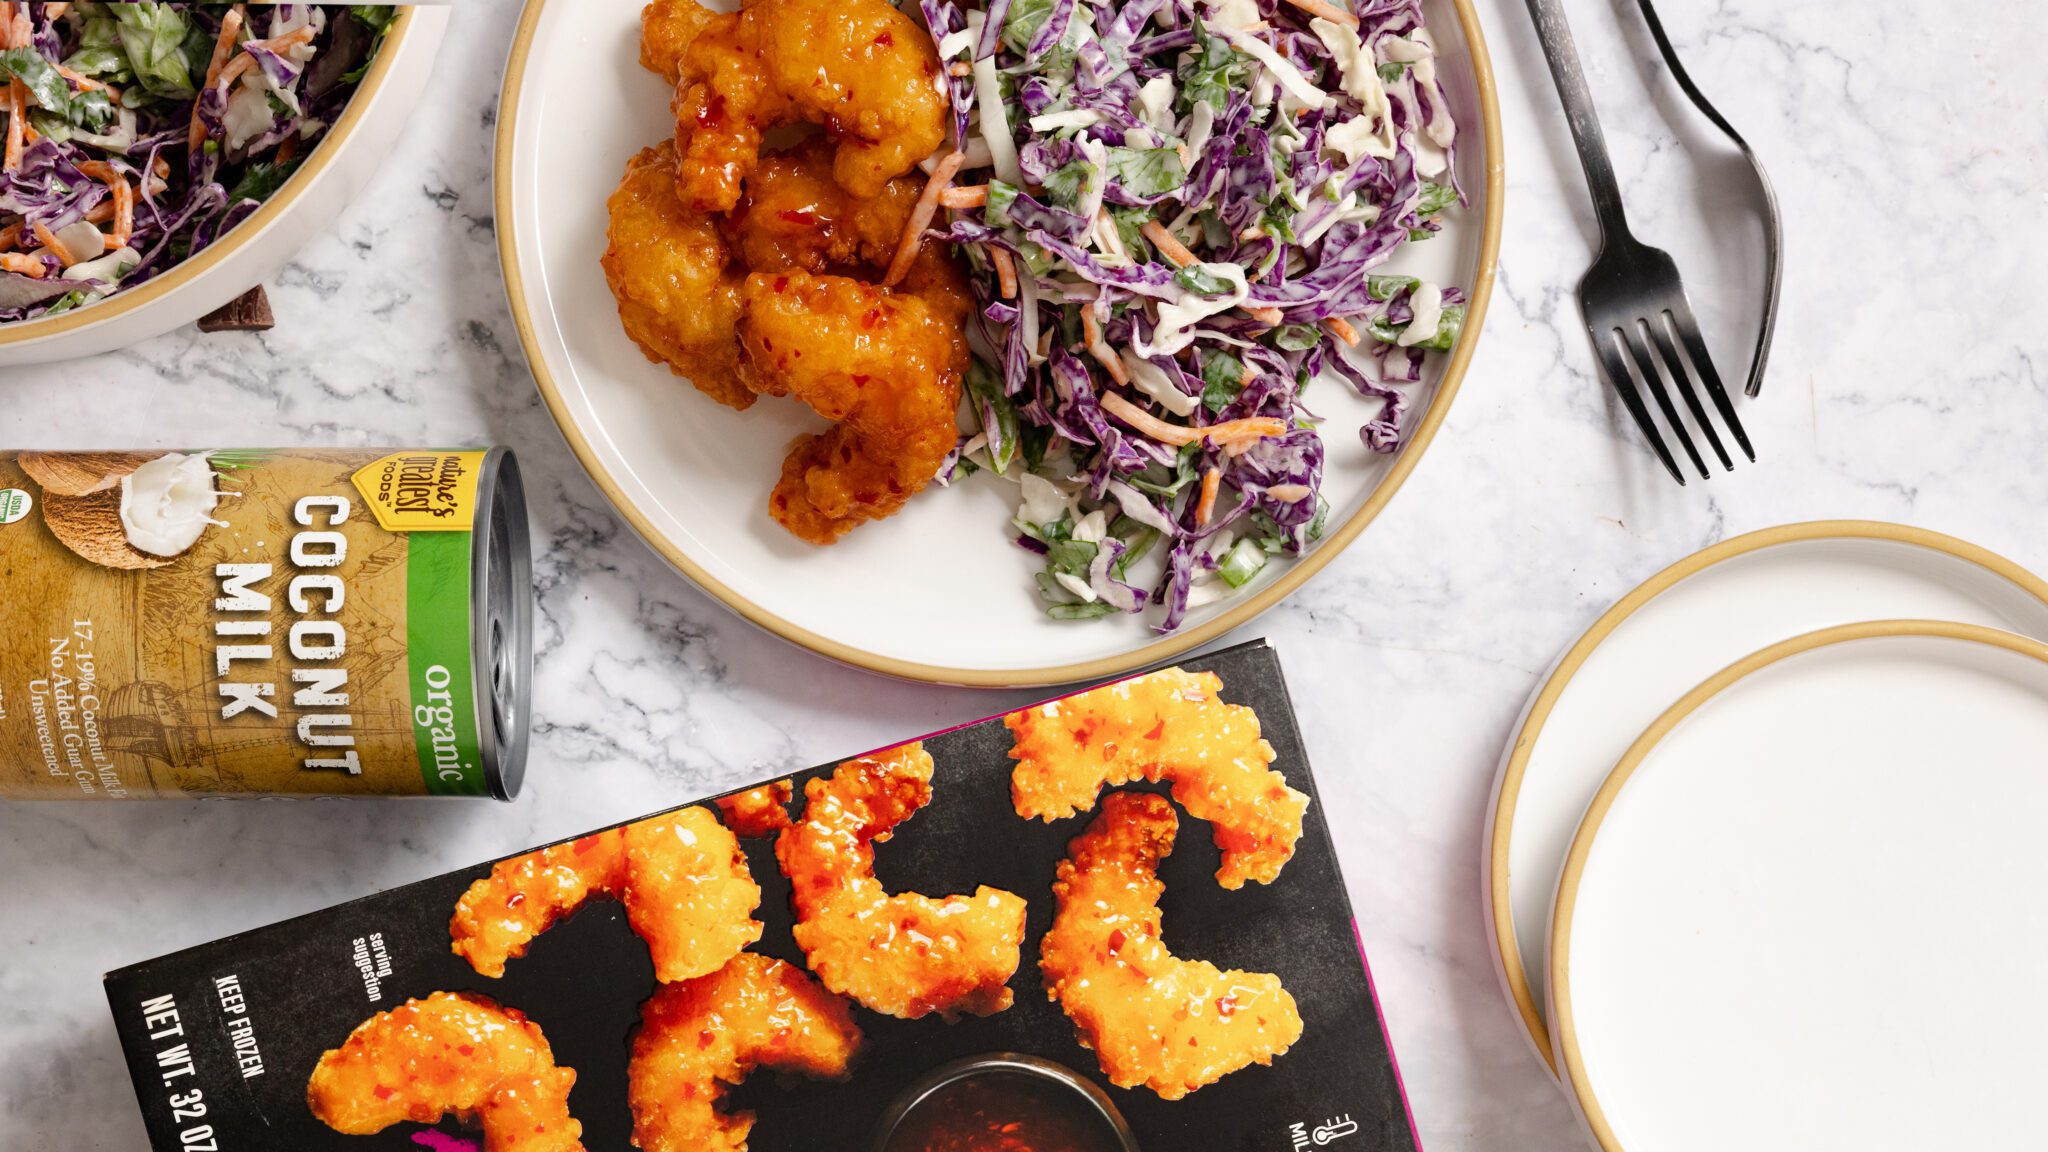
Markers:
438,655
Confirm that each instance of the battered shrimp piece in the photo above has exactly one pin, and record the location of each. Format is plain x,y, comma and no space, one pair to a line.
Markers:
1152,1018
905,955
795,215
674,280
450,1052
884,365
1168,724
859,68
699,1036
758,813
667,29
683,879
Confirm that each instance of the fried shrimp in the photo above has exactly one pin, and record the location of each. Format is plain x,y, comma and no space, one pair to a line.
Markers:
884,365
794,215
905,955
1169,724
758,813
1152,1018
450,1052
674,279
699,1036
859,68
683,879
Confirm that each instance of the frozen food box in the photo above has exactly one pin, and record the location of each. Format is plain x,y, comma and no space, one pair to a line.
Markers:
223,1040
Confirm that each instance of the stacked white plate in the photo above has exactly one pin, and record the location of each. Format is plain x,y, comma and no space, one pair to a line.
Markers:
1767,865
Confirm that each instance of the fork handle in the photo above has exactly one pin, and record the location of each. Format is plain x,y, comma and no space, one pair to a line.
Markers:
1556,35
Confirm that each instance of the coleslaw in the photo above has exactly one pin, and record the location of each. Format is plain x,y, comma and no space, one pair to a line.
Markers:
137,134
1174,211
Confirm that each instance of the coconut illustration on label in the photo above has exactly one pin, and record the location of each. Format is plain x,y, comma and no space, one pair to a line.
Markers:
168,502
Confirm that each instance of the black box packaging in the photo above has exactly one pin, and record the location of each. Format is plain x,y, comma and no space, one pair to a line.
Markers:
221,1039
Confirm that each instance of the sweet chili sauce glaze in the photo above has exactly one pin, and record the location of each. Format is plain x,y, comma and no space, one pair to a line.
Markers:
1003,1112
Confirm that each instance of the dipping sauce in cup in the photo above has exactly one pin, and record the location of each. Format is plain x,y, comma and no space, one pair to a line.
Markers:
1004,1103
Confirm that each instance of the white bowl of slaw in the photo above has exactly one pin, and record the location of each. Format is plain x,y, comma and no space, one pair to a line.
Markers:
255,249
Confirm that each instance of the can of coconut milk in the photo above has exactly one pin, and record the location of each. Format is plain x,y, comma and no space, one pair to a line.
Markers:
237,622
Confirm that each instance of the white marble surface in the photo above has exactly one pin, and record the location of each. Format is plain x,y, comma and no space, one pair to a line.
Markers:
1909,155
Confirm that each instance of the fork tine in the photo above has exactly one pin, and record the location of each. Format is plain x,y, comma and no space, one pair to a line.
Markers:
1655,381
1675,364
1688,330
1617,375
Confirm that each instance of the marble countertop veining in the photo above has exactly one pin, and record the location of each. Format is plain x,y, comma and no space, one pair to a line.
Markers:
1908,384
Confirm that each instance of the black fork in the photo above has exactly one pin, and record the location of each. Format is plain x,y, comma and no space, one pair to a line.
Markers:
1632,298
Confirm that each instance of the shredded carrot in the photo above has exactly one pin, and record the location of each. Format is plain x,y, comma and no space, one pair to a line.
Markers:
124,199
1264,315
1327,11
288,148
964,196
921,216
960,68
101,212
1343,329
1168,244
1249,430
55,11
1289,493
1212,482
1006,272
1091,335
29,266
230,27
85,83
48,240
10,238
242,62
17,123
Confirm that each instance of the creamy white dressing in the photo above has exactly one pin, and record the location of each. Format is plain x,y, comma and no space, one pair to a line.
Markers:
1177,320
1427,302
167,503
992,119
1290,78
1070,118
1227,16
1042,501
1153,381
1155,103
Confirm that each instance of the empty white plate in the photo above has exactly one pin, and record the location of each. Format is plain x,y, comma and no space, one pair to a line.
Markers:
1809,908
1681,626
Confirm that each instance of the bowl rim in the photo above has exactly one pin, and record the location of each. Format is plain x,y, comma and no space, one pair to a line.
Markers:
323,155
1161,649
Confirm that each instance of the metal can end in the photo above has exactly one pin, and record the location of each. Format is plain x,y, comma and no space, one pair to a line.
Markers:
501,623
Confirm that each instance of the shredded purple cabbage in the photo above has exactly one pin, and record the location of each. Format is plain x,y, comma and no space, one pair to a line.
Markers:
1293,157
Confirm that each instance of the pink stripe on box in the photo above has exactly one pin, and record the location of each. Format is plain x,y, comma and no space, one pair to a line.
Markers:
1393,1061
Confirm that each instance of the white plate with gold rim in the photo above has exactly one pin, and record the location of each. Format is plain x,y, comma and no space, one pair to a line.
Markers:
1809,907
938,592
1660,640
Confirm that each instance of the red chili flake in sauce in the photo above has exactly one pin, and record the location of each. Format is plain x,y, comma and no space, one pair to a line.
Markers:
515,900
1117,940
466,1049
1226,1006
885,40
799,216
860,379
706,1038
1157,731
384,1093
781,283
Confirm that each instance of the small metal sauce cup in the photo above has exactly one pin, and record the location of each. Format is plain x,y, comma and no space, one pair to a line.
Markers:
1010,1063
